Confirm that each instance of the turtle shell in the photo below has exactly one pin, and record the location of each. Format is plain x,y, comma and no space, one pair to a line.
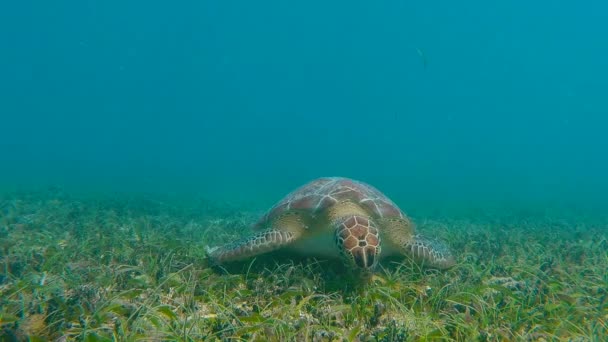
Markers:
322,193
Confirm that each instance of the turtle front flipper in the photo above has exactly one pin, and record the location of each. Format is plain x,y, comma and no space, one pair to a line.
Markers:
430,252
284,230
260,243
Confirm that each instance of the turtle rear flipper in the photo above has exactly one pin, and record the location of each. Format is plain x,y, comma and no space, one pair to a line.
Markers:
430,252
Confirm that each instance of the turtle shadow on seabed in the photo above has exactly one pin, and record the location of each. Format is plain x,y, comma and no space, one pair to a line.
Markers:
329,274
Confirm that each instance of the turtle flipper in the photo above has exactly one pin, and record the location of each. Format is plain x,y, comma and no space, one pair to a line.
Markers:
262,242
283,230
430,252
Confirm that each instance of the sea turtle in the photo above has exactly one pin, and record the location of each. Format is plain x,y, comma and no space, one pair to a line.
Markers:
336,217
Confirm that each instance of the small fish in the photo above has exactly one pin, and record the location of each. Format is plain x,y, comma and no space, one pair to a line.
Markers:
422,55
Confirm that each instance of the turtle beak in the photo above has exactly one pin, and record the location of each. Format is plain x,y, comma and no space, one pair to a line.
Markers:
364,257
360,258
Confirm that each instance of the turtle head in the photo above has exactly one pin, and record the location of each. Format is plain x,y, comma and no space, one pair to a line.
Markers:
358,241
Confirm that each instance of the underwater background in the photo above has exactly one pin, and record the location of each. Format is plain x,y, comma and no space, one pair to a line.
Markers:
136,134
437,103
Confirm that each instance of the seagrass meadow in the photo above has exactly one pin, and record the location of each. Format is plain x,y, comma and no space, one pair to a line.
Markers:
136,136
134,269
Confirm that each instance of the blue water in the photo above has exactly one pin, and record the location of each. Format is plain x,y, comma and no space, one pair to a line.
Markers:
437,102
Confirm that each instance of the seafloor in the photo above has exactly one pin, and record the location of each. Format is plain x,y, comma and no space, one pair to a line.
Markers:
134,268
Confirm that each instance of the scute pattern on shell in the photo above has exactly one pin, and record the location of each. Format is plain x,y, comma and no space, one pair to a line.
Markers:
321,193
